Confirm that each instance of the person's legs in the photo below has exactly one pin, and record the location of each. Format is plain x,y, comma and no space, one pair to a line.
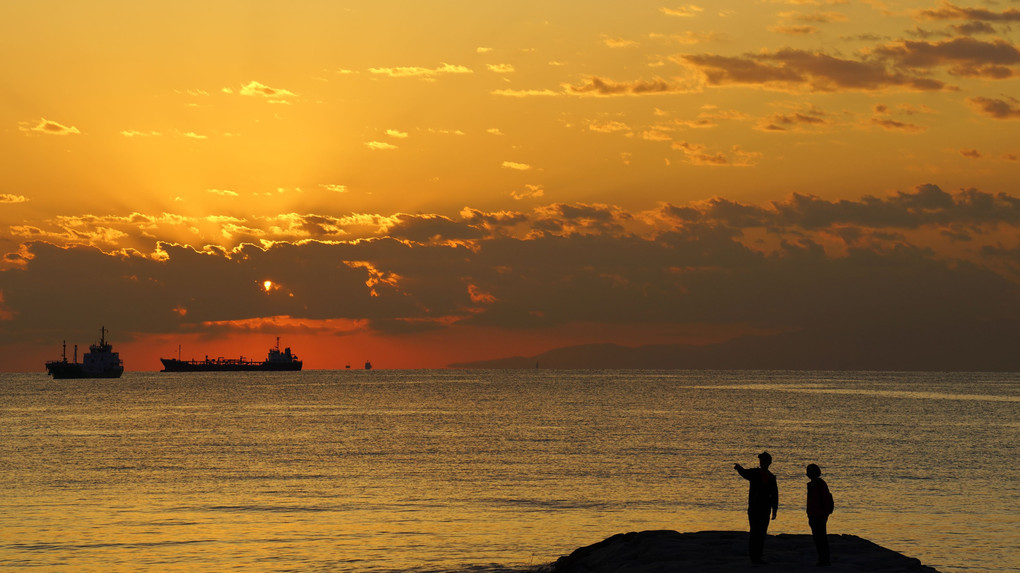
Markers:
818,532
759,523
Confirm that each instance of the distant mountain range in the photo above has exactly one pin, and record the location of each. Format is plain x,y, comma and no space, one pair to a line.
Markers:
986,347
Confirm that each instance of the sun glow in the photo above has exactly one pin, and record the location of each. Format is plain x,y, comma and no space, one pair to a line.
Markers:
268,285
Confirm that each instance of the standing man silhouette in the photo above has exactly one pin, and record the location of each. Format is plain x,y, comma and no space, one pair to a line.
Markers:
819,506
762,499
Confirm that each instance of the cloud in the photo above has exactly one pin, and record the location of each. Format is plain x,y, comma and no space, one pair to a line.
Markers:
596,86
516,166
795,70
686,11
8,198
968,57
579,219
397,134
446,131
697,154
527,93
894,125
882,120
861,265
260,90
425,229
380,145
48,127
500,68
529,192
950,11
925,205
422,73
795,23
222,192
808,120
134,133
794,30
335,188
1008,108
619,43
608,126
814,17
657,134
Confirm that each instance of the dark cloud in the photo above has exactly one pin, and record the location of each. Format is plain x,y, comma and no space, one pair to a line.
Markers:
795,30
426,228
561,218
950,11
1008,108
963,56
797,121
895,125
925,205
798,70
603,87
1012,254
974,28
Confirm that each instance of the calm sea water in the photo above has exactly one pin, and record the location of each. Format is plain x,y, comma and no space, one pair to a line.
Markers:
488,470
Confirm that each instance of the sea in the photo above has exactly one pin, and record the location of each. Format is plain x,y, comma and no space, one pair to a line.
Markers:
486,471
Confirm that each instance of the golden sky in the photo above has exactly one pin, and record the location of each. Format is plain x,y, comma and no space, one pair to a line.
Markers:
423,183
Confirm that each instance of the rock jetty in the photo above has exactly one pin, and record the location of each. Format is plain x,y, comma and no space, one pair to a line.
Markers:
726,552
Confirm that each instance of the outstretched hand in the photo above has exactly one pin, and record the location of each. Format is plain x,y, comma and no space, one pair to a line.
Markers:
738,467
773,516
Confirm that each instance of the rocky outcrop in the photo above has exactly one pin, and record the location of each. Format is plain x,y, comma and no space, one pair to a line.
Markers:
726,551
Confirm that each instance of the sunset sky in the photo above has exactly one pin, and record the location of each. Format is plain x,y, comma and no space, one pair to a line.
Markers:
424,183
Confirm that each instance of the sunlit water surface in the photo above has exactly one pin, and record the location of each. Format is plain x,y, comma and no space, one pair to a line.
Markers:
488,470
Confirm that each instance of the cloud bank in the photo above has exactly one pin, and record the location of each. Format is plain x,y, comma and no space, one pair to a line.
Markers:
921,259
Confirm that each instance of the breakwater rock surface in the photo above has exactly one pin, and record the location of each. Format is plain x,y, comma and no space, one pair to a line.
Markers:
726,552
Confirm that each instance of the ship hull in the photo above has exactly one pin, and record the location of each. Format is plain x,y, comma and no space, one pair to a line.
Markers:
174,365
72,370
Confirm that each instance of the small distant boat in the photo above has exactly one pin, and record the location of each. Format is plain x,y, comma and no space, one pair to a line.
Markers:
277,360
368,365
99,362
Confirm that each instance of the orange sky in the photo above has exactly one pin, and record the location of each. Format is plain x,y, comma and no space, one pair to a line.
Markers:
425,183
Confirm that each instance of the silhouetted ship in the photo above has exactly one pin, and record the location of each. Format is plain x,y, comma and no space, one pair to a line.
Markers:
276,361
99,362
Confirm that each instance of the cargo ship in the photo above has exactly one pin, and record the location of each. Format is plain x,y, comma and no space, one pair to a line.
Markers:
99,362
277,360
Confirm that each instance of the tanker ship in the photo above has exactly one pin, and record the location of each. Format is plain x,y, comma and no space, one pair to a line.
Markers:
277,360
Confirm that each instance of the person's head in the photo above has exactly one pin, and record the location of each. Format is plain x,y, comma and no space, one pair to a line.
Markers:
764,459
813,471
